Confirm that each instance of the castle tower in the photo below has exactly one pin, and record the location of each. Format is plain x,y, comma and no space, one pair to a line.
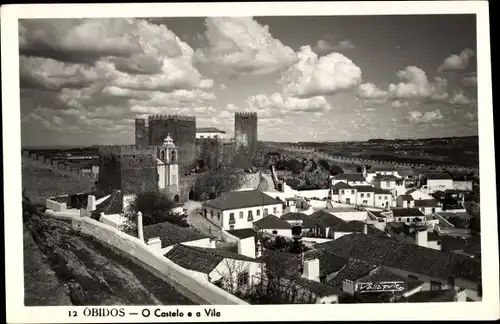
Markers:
168,169
182,129
245,136
141,134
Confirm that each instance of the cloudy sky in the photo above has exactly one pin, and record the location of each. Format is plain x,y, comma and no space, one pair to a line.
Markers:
83,81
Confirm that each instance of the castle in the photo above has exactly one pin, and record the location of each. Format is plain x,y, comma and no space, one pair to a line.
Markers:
166,150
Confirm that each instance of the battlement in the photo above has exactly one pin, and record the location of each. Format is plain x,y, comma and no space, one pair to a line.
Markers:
246,115
171,117
120,150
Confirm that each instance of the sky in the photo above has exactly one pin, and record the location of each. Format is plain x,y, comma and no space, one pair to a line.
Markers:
324,78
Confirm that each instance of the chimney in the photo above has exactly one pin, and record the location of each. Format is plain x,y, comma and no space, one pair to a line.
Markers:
246,246
258,250
155,244
311,269
292,209
421,237
91,205
140,232
365,229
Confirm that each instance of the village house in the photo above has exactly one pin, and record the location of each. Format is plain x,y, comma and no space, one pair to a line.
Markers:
365,195
419,235
351,179
343,193
294,218
440,270
389,182
348,213
239,209
383,198
437,181
427,206
405,201
273,225
418,194
407,215
389,170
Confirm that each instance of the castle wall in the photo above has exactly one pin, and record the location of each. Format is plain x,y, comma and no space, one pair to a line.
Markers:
245,132
182,129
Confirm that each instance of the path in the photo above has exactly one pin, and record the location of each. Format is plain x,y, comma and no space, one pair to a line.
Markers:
88,272
270,183
196,219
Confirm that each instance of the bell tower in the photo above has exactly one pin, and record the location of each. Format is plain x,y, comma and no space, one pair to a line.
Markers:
169,156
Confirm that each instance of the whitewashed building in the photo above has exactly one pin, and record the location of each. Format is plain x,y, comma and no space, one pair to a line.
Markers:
210,132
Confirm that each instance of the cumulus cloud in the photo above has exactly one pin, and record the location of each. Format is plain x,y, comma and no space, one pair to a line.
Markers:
277,105
427,117
399,103
459,98
323,46
369,91
240,45
457,62
415,85
109,68
313,76
222,86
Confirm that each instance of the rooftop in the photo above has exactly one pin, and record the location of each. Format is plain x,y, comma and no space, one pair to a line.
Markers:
379,191
317,288
271,222
242,199
209,130
171,234
382,168
342,185
408,257
353,270
406,197
293,216
426,203
350,177
328,261
365,188
438,176
406,212
243,233
324,219
202,259
341,210
385,177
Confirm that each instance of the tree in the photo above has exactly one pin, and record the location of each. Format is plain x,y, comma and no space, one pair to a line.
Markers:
230,272
335,169
155,208
324,163
294,166
214,183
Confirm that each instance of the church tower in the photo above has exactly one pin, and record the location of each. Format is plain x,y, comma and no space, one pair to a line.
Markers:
168,167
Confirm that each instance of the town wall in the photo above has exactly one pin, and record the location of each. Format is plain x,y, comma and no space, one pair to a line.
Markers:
141,132
245,135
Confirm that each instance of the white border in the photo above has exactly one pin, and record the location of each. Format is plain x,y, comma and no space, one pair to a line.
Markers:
16,312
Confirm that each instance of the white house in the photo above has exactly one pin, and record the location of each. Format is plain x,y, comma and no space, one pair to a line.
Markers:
405,201
348,214
228,270
365,195
349,178
463,185
427,206
438,182
389,182
408,215
344,193
239,209
383,198
417,194
380,170
209,132
273,225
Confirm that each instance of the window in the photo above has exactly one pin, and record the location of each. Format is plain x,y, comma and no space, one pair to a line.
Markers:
258,212
218,215
275,232
408,219
341,192
387,184
362,195
385,197
241,215
379,197
243,279
275,210
435,285
365,202
265,212
212,213
231,215
352,192
205,213
250,216
231,219
368,195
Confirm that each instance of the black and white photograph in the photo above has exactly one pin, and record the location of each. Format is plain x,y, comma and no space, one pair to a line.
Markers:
167,160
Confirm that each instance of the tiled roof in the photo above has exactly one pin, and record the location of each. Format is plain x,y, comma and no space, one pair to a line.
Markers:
342,185
406,197
353,270
243,233
202,259
438,176
209,130
171,234
408,257
432,296
287,264
426,203
386,177
323,219
242,199
372,230
271,222
379,191
350,177
318,288
293,216
406,212
341,210
382,168
328,261
365,188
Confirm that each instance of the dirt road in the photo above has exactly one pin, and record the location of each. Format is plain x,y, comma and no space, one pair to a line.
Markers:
64,268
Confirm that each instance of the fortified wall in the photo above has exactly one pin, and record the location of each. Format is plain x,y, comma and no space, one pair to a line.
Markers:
245,136
128,168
